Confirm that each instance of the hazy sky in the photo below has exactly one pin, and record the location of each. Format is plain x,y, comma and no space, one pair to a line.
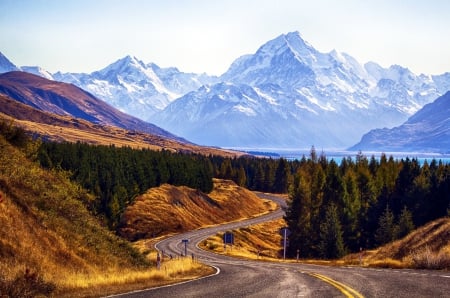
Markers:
206,36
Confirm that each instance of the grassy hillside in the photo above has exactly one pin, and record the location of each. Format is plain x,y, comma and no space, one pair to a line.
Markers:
67,128
45,228
262,242
188,209
50,243
427,247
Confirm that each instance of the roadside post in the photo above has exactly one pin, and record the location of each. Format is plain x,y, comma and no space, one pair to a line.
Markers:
185,241
285,232
228,239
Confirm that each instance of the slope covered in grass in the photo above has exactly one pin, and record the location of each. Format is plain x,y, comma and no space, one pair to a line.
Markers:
49,242
427,247
188,209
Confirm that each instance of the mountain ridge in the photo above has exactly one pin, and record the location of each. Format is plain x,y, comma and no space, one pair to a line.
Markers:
428,130
303,98
290,95
67,99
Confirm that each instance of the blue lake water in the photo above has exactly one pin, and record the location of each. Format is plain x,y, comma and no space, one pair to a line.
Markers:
338,155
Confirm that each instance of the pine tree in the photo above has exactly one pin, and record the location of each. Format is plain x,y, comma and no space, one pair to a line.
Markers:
298,216
387,230
282,174
331,241
405,223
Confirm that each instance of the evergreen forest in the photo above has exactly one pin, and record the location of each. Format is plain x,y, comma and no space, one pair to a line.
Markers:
333,209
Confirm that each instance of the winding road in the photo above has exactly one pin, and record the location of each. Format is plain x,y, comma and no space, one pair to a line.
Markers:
245,278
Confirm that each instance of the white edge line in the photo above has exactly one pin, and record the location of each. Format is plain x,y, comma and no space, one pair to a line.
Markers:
170,285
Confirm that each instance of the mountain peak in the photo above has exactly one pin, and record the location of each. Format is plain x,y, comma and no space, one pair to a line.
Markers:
6,65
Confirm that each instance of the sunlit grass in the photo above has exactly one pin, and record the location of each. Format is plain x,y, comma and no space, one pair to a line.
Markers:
117,280
257,242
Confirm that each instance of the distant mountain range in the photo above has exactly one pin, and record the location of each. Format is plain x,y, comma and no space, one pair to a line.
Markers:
428,130
63,112
285,95
288,94
67,99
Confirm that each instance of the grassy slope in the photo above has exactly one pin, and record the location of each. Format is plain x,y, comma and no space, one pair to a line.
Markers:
66,128
50,243
188,209
249,241
426,247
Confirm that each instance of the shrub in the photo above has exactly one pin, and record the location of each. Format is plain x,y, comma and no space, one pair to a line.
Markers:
427,259
27,284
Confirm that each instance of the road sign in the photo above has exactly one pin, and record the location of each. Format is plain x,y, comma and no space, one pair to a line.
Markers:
228,238
185,241
284,241
285,232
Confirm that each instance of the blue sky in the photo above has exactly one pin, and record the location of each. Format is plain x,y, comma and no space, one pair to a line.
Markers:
207,35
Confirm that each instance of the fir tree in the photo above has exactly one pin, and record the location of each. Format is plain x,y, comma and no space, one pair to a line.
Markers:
331,241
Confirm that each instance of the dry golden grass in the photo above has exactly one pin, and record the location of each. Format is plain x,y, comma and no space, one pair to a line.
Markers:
64,128
50,243
426,247
117,280
263,238
188,209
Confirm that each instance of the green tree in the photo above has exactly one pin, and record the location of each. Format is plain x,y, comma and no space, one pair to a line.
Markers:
282,174
331,241
241,177
387,229
298,216
405,223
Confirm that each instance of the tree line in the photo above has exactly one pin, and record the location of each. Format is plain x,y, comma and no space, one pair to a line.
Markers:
362,203
116,175
332,209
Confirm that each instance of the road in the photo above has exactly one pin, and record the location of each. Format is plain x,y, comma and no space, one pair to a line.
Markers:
245,278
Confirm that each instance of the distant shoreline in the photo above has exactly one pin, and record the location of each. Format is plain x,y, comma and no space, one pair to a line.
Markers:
337,155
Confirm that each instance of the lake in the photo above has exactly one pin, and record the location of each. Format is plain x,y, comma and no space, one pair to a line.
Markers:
338,155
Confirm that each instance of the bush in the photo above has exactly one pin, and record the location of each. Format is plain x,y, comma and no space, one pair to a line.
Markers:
427,259
27,284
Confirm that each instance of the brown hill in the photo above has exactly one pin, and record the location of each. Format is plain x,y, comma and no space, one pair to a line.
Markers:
55,127
69,100
188,209
48,238
426,247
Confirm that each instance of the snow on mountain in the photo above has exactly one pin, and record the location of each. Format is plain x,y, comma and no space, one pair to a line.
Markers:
292,95
6,65
136,88
286,94
39,71
428,130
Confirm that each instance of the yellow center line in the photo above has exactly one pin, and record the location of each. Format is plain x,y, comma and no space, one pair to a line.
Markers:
346,290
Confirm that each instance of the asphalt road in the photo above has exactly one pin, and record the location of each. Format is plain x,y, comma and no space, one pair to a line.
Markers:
242,278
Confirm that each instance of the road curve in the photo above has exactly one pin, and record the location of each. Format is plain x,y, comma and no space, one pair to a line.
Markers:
245,278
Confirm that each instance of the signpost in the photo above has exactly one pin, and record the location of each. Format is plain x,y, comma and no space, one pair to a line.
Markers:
185,241
228,238
285,232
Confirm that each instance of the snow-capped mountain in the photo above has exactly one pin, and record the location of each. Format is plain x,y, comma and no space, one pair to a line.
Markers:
428,130
288,94
136,88
39,71
6,65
